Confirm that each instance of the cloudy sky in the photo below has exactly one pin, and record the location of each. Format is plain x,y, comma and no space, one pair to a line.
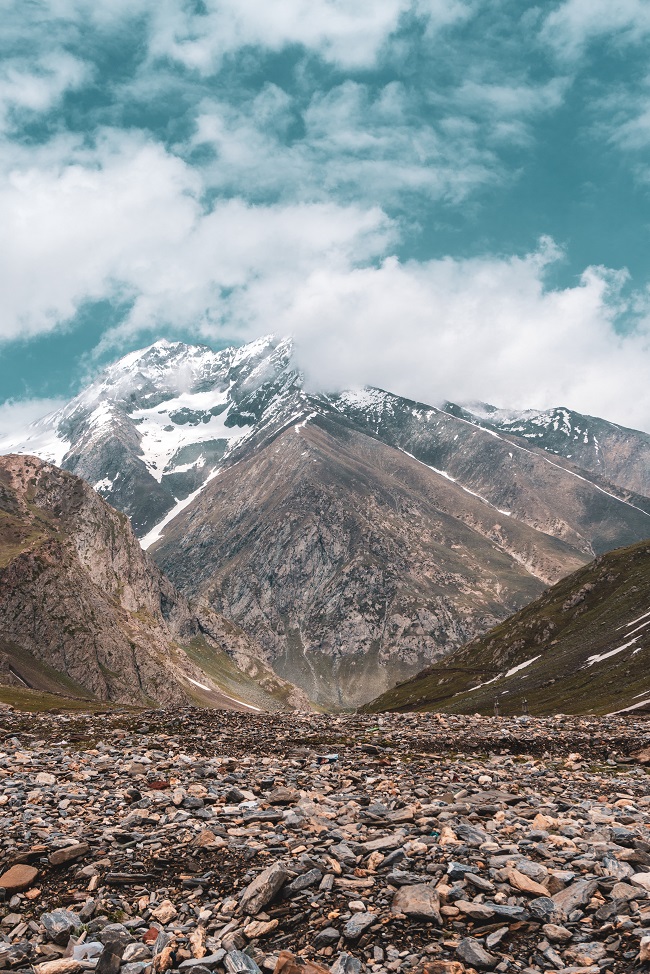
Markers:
446,198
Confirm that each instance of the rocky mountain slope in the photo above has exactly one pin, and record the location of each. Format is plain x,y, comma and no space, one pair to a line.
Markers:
355,536
351,562
85,612
607,450
582,647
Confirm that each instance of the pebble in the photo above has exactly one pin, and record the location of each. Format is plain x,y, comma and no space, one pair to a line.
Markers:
198,841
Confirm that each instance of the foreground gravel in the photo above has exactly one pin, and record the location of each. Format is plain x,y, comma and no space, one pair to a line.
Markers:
210,841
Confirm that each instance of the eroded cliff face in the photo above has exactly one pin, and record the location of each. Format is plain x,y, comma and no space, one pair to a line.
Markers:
351,564
79,596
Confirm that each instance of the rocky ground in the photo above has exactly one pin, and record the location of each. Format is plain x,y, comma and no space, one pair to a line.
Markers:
211,841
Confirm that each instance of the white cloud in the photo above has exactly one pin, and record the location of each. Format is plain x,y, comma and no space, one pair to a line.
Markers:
356,143
16,414
474,329
38,87
126,220
350,34
576,23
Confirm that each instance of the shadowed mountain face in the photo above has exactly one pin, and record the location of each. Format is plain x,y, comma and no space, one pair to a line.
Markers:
86,613
582,647
354,537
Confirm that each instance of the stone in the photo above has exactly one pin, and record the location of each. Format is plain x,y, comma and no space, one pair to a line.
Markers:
64,965
546,910
263,888
165,912
288,963
556,933
327,937
18,878
443,967
346,964
260,928
585,954
524,883
358,924
60,924
420,900
644,950
69,853
474,954
639,879
576,895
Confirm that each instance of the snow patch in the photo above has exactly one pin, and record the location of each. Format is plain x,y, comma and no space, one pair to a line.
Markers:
156,532
599,657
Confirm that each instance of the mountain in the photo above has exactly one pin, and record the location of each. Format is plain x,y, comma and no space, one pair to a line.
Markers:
582,647
355,537
84,612
608,451
148,432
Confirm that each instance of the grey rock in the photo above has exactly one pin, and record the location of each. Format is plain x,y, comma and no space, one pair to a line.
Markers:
472,952
263,888
358,924
60,924
419,901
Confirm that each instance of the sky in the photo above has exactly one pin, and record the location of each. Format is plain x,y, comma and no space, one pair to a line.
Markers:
449,199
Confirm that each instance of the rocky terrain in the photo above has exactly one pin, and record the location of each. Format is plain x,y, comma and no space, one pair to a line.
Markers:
354,537
84,612
583,647
350,563
620,455
198,841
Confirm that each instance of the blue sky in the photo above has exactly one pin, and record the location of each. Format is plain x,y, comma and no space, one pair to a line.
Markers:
447,198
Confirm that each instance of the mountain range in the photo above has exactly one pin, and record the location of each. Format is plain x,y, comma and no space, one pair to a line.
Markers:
354,537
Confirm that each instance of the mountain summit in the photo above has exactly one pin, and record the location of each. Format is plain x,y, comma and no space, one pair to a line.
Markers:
355,537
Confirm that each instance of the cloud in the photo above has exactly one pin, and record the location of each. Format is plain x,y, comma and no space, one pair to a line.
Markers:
16,414
485,328
126,221
356,143
576,23
200,36
26,87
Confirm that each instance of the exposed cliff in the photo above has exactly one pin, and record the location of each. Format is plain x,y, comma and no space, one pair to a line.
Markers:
84,610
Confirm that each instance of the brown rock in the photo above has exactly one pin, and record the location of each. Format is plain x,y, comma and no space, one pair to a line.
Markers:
165,912
67,854
524,883
644,953
18,878
444,967
64,965
288,963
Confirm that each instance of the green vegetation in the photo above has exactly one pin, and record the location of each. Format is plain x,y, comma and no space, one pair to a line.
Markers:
36,701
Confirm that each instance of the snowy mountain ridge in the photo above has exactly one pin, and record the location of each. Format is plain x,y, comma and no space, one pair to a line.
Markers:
155,427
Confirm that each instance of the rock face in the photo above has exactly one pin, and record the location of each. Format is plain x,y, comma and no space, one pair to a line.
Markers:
583,646
351,563
84,611
614,453
356,537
